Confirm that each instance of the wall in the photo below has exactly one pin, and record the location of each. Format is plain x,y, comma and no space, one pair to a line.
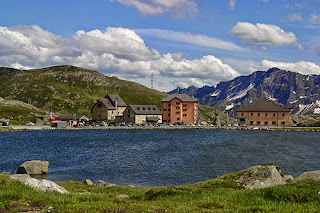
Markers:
266,118
99,112
177,111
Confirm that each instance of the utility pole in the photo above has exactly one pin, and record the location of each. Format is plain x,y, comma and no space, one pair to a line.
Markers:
152,80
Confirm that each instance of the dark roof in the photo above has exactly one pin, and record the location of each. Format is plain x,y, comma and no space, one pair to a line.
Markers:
107,103
113,97
264,105
145,109
153,118
181,97
68,117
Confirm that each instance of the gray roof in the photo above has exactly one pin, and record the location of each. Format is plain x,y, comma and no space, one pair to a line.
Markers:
264,105
112,98
145,109
107,103
181,97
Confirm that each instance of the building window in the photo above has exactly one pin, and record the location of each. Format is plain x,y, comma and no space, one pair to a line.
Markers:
283,123
251,114
266,114
185,110
169,110
164,121
177,107
128,110
184,115
242,114
283,114
274,114
266,123
99,116
169,105
251,122
258,114
273,123
178,119
258,123
169,114
164,110
185,105
177,112
99,105
128,116
178,103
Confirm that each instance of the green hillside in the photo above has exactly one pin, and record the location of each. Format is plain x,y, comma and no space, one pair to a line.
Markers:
68,89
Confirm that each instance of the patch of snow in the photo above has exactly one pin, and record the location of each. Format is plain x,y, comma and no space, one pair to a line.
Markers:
272,99
293,102
306,87
301,97
316,111
242,93
229,107
215,93
294,92
318,103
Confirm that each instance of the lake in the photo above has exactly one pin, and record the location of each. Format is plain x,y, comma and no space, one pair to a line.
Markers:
158,157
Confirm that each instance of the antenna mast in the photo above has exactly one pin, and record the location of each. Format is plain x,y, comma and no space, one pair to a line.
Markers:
152,80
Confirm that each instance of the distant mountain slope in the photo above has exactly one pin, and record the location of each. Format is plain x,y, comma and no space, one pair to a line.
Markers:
68,89
302,92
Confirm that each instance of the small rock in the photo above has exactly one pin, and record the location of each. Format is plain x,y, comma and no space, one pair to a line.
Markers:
103,183
42,185
288,178
34,167
315,175
88,182
123,196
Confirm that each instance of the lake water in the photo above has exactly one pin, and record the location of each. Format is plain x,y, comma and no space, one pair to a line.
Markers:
158,157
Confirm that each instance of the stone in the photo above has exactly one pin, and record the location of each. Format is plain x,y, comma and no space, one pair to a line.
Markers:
88,182
315,175
103,183
34,167
123,196
42,185
261,177
288,178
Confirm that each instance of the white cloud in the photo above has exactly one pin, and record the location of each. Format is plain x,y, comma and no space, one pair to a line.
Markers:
115,51
263,34
315,18
232,4
179,8
196,39
303,67
295,17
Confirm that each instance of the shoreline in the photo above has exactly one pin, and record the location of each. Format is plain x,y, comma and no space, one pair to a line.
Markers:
268,128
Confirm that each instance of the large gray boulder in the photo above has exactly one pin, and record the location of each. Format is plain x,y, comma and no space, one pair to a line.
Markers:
34,167
42,185
261,177
315,175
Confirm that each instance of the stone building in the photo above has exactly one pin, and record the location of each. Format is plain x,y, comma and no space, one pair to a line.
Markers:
264,112
142,114
178,108
108,108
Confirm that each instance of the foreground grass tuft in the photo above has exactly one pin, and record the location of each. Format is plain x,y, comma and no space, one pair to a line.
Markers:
219,195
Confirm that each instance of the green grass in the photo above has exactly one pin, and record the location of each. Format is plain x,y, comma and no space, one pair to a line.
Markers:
219,195
295,128
5,129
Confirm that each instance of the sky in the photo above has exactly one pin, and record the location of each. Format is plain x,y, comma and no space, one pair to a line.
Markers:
179,42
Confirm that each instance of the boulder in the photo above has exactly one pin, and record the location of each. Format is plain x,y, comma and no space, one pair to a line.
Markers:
103,183
315,175
123,196
34,167
42,185
288,178
261,177
88,182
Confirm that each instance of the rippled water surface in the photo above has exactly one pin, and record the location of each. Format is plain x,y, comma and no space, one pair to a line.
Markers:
158,157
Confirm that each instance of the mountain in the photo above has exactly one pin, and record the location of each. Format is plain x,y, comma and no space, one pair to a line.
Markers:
301,92
68,89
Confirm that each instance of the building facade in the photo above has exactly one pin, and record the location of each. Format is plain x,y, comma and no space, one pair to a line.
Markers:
142,114
178,108
108,108
264,112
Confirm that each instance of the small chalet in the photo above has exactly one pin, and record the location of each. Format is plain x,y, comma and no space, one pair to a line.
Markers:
108,108
264,112
177,108
142,114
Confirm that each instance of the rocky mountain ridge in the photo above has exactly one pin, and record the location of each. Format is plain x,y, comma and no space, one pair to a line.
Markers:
301,92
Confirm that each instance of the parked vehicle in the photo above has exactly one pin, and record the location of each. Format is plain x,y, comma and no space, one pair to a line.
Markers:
5,123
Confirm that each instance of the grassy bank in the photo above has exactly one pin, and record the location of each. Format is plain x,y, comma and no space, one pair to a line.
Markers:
219,195
5,129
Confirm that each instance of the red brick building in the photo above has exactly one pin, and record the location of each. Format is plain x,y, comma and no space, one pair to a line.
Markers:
264,112
177,108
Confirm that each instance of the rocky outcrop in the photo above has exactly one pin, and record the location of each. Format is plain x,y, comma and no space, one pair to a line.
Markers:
103,183
261,177
88,182
315,175
34,167
42,185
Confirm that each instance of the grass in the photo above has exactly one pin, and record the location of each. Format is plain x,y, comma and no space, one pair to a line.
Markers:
295,128
219,195
5,129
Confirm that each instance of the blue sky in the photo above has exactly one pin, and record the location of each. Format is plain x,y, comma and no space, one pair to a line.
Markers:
182,42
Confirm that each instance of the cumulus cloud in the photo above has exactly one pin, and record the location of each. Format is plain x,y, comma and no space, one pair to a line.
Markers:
232,4
264,34
179,8
115,51
303,67
196,39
